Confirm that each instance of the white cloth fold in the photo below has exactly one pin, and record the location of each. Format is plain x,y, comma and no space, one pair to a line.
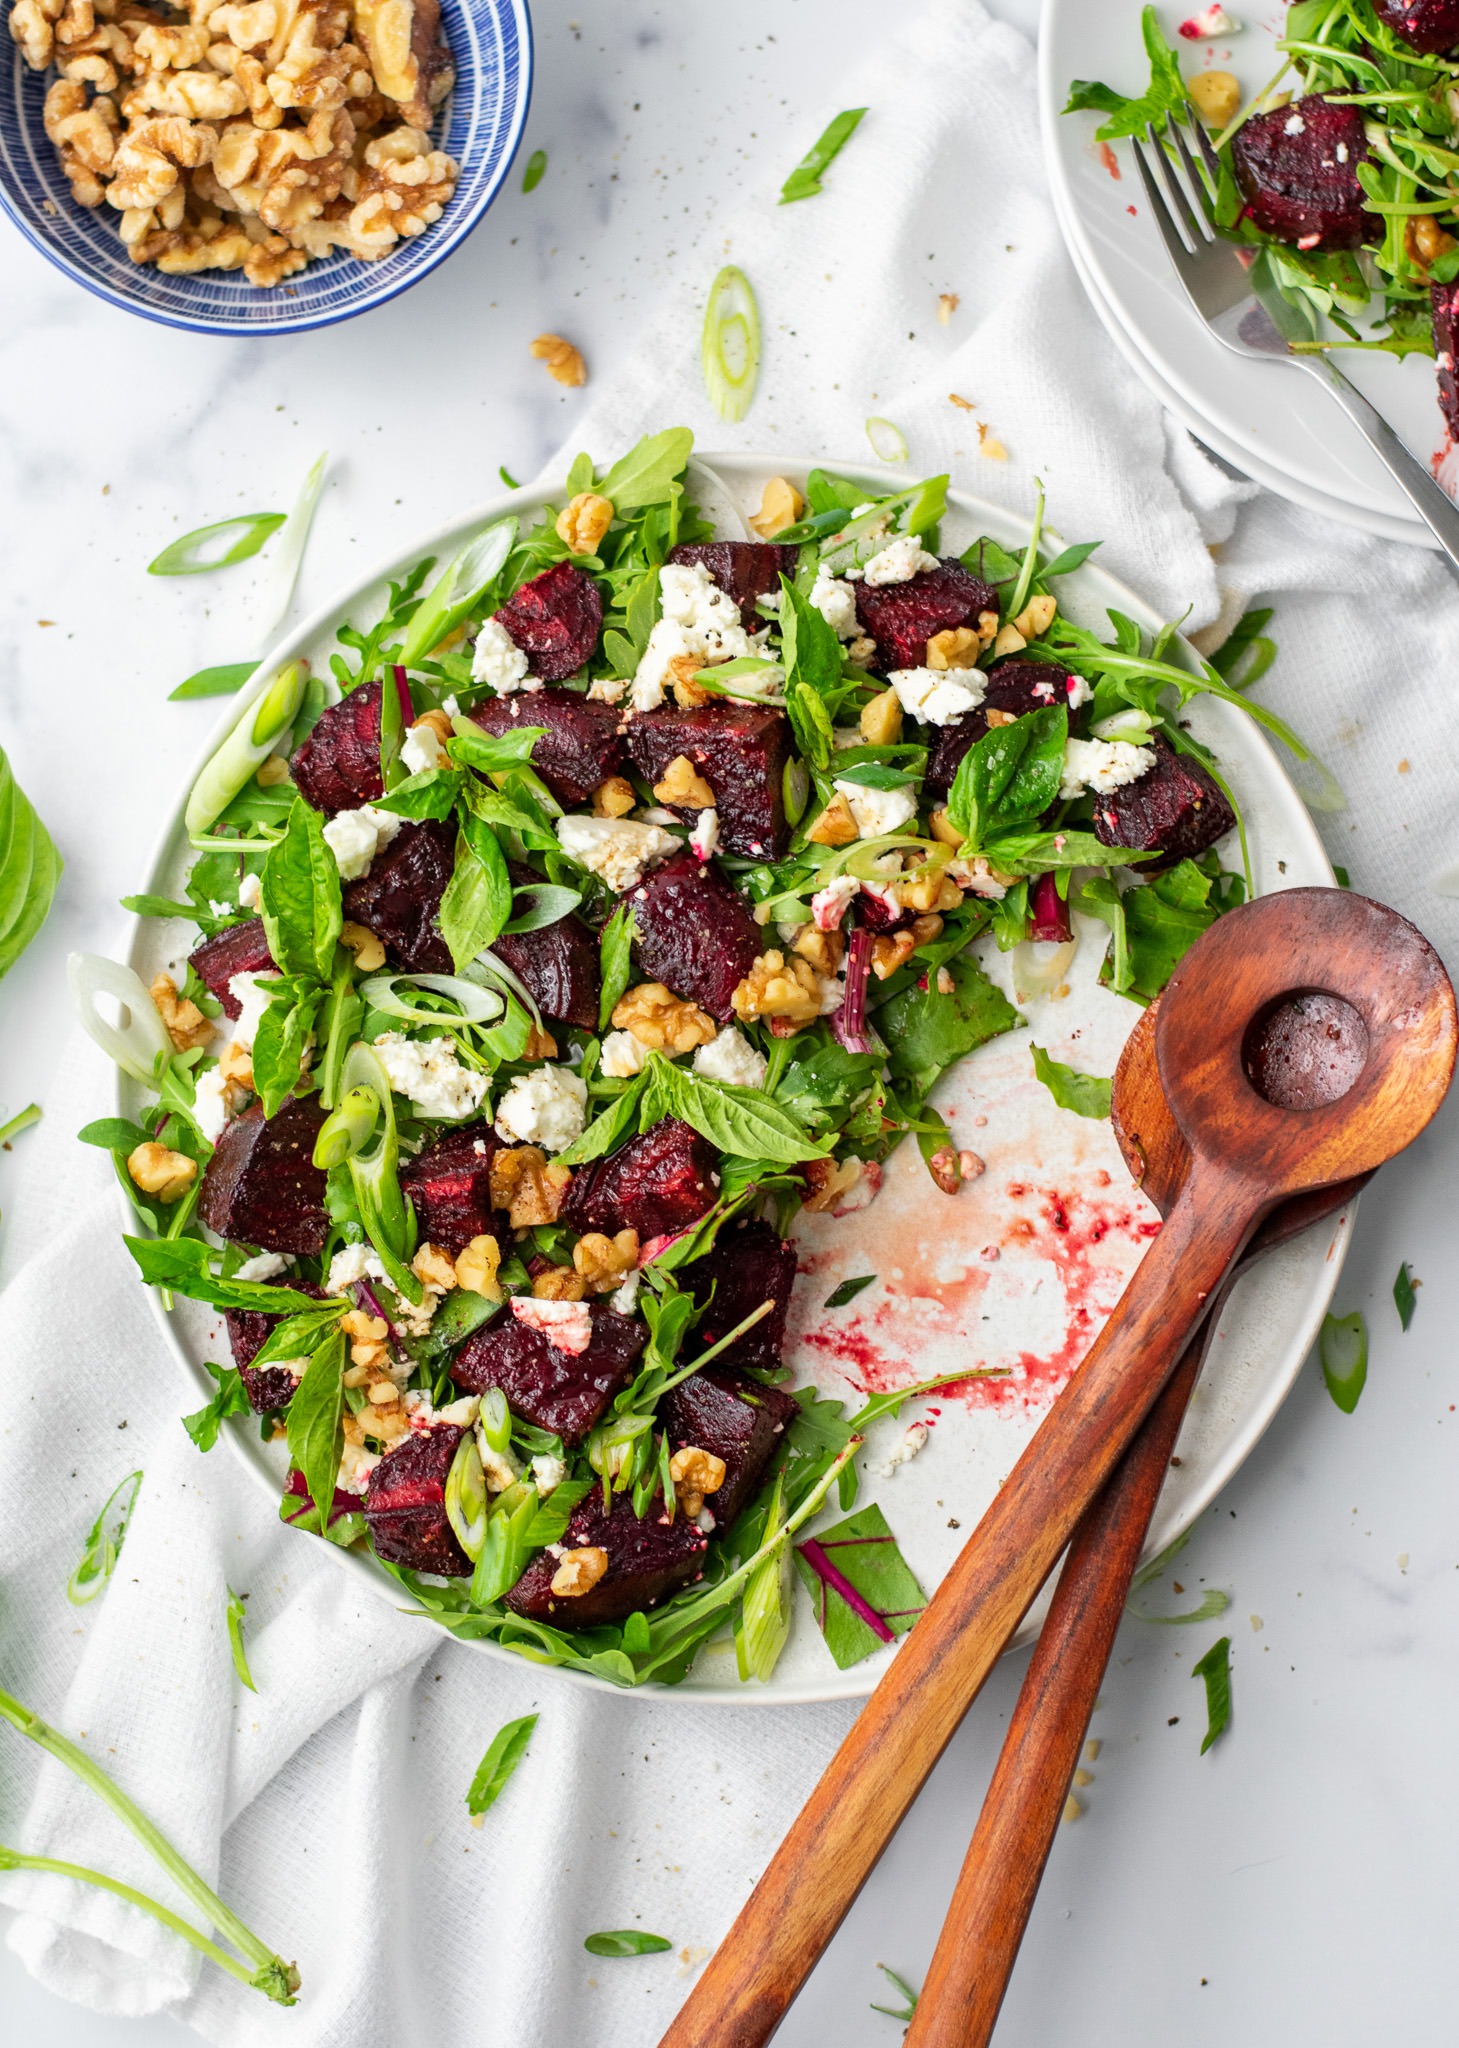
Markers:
329,1806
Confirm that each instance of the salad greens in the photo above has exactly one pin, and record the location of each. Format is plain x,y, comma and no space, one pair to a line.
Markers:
1342,1346
1085,1094
505,1751
531,179
29,870
236,1612
1215,1669
104,1543
804,181
626,1941
904,1989
1404,1298
862,1591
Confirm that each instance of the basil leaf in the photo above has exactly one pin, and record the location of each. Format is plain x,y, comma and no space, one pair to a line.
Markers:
626,1941
1215,1669
214,682
542,904
804,181
478,898
278,1048
615,951
513,808
431,793
494,754
183,1264
300,902
608,1130
1010,776
925,1032
1086,1094
1342,1345
863,1552
508,1747
30,868
848,1290
549,1521
235,1637
316,1423
1404,1298
198,552
230,1399
872,775
648,473
531,179
294,1337
742,1121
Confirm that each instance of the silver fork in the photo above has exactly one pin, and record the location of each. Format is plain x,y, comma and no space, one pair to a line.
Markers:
1262,325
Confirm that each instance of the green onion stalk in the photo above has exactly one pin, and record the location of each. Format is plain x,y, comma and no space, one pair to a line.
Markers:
271,1975
246,748
387,1215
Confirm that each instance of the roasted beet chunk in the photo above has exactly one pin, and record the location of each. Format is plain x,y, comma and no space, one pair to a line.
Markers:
1298,172
273,1386
400,897
555,620
1176,807
1446,338
405,1504
694,933
656,1184
549,1387
735,1418
747,569
740,750
646,1560
1016,686
558,964
450,1185
261,1186
338,766
242,949
902,617
749,1264
1429,26
581,747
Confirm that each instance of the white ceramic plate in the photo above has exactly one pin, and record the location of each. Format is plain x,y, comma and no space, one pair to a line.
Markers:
1020,1270
1281,429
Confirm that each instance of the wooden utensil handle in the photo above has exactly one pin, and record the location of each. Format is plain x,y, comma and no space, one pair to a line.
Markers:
1005,1862
940,1667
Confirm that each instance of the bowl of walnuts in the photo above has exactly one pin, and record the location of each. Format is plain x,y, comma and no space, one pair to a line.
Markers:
258,166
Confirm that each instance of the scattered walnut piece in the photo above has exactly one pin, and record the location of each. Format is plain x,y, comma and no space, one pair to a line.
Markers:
368,951
528,1188
925,929
777,987
687,692
827,1181
824,950
987,628
934,890
1216,94
272,772
439,721
235,1064
962,404
434,1266
995,717
186,1024
956,647
881,720
476,1268
1036,617
541,1045
780,506
835,826
558,1283
1424,241
695,1473
156,1171
614,798
663,1021
889,950
605,1262
1009,641
578,1571
947,305
562,359
582,523
367,1346
683,784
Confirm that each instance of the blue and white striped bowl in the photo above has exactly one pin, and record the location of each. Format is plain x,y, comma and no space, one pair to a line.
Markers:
480,127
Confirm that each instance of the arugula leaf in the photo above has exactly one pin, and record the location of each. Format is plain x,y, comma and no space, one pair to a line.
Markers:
1404,1298
184,1264
113,1134
30,868
648,474
230,1399
103,1543
507,1748
316,1423
1086,1094
1215,1669
626,1941
906,1991
1342,1345
804,181
214,682
478,898
743,1121
863,1552
847,1291
608,1130
615,951
235,1637
1165,94
300,903
925,1032
1162,920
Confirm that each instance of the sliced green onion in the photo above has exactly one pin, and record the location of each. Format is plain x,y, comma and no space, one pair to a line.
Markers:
140,1036
886,439
192,556
32,1115
466,1503
804,181
1343,1349
487,967
542,904
452,595
1024,584
246,748
1325,792
348,1130
214,682
626,1941
536,165
279,595
104,1544
388,1218
765,1604
478,1005
1132,726
731,347
795,788
496,1419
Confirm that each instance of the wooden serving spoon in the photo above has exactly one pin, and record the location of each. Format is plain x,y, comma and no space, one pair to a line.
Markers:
1004,1866
1223,1027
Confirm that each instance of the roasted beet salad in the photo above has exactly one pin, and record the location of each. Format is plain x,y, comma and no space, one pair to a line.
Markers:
1341,169
607,904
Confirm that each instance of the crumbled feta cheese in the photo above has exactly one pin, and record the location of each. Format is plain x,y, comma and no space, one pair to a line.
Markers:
904,1453
500,1467
209,1107
879,810
548,1473
833,994
655,814
624,1300
263,1267
250,892
545,1107
835,600
862,1192
462,1413
731,1057
567,1325
449,705
704,839
498,659
351,1263
1077,691
698,619
421,750
977,878
427,1072
1103,766
938,695
829,905
250,991
618,849
219,908
690,597
1294,125
898,562
705,1523
1341,152
1212,21
608,689
355,837
623,1056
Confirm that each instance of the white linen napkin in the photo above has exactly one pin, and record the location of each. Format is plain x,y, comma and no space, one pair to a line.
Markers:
329,1806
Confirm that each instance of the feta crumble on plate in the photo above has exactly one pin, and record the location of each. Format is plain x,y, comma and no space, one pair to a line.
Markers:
699,619
250,992
1103,766
421,750
355,837
498,659
879,810
904,1453
835,599
938,695
898,562
427,1072
250,892
567,1325
618,849
731,1057
209,1106
546,1107
623,1056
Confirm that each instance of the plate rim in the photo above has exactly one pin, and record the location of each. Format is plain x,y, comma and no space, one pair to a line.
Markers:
861,1679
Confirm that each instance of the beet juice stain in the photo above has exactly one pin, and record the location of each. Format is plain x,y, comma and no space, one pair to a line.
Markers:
1304,1051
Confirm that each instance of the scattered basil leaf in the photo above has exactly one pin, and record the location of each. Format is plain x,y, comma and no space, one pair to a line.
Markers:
1342,1345
1086,1094
848,1291
316,1423
615,952
508,1747
30,868
626,1941
231,1399
184,1264
804,181
300,903
235,1637
478,898
743,1121
190,555
214,682
532,177
1404,1299
104,1543
1215,1668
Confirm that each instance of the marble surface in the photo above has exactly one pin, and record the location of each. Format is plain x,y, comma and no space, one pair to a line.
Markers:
1293,1884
